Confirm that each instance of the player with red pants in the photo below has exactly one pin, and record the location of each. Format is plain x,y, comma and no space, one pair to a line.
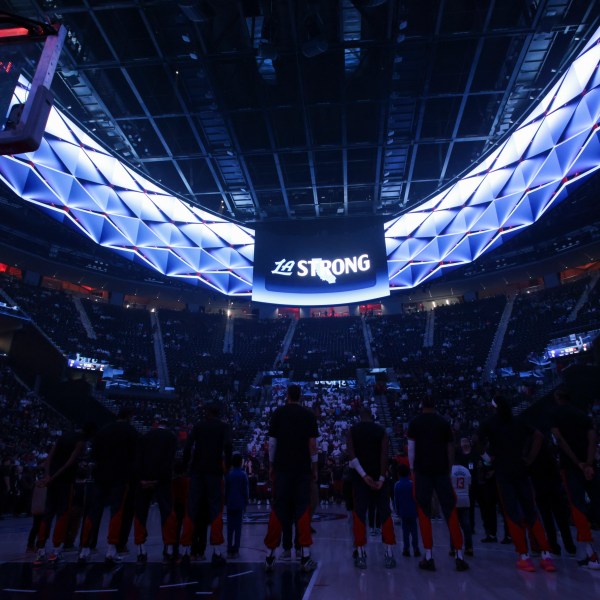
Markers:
154,472
293,455
576,438
209,447
368,451
59,479
113,453
513,446
431,455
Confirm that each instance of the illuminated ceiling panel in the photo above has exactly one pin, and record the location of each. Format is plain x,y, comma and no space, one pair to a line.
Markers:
79,182
555,146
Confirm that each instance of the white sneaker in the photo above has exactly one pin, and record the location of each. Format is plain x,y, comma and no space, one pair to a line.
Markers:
594,565
590,562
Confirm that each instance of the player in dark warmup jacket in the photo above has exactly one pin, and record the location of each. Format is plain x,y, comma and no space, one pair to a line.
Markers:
293,456
513,446
431,455
368,452
154,473
551,499
576,438
113,453
209,446
60,474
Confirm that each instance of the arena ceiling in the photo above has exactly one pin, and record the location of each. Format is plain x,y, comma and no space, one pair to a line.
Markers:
282,109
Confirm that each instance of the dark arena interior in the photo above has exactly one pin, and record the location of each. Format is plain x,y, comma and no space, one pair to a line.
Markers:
299,299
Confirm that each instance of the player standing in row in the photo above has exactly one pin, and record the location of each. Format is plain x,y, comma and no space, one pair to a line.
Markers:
430,455
154,473
113,455
513,446
209,446
368,446
576,438
294,462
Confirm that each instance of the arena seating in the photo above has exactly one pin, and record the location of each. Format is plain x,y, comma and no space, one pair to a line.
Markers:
397,337
124,337
256,344
322,348
588,317
327,348
54,312
194,349
534,318
464,331
29,430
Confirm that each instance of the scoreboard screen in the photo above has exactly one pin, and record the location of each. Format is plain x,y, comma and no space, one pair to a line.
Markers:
321,262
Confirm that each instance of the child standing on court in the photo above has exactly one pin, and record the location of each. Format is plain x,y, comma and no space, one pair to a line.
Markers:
406,509
461,482
236,500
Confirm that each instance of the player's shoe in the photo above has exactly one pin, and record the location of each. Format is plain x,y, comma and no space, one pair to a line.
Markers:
525,564
548,565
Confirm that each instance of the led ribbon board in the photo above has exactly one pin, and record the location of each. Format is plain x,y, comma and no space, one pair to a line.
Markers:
555,146
79,182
